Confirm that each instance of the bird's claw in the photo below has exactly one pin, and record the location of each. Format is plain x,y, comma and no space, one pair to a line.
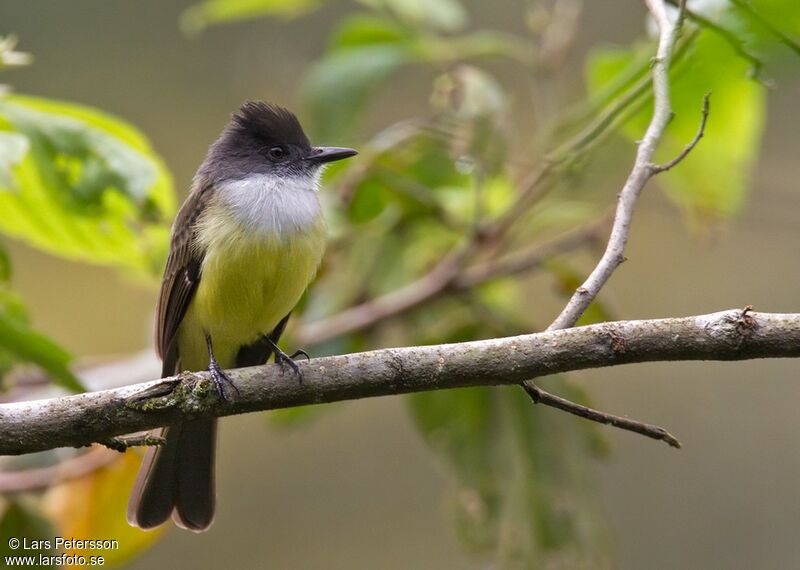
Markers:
283,360
300,352
220,378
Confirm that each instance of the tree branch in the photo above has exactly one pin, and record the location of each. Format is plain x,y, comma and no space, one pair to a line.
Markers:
642,171
539,396
449,274
613,257
38,478
450,271
657,168
99,416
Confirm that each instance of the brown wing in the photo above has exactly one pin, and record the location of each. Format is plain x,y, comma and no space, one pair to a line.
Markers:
181,277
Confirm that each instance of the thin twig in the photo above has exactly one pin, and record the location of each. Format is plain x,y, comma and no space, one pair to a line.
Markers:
20,480
531,191
656,168
368,313
640,174
615,108
605,122
526,259
449,274
122,444
614,254
436,281
627,424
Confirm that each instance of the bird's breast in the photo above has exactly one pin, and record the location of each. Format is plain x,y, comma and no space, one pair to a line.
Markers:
268,204
261,250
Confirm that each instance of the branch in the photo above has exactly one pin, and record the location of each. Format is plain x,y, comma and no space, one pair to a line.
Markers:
657,168
642,171
369,313
447,275
450,271
122,444
38,478
526,259
99,416
539,396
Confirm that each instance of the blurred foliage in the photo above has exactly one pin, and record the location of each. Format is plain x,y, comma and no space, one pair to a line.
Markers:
19,518
366,49
79,184
299,416
520,488
9,56
83,185
20,344
199,16
93,507
713,181
768,27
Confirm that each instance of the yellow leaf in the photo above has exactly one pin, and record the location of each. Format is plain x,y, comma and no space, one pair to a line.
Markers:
93,508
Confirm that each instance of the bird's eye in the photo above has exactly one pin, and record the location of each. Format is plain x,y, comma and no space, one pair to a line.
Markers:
276,152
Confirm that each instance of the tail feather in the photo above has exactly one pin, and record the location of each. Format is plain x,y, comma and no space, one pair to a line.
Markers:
153,495
195,497
177,479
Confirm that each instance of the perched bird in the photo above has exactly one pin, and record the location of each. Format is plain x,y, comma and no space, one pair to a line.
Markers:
245,245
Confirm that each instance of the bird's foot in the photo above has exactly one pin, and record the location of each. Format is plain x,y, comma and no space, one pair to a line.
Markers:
220,378
283,360
300,352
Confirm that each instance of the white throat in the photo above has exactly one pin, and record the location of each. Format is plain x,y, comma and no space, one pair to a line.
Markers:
270,204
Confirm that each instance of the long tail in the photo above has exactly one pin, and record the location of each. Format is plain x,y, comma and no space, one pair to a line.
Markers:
177,479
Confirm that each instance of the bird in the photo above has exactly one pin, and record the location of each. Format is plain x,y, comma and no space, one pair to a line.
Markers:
245,244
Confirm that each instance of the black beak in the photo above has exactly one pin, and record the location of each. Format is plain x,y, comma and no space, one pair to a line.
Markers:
323,154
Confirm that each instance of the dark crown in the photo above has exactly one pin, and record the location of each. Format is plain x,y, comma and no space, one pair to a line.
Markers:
269,123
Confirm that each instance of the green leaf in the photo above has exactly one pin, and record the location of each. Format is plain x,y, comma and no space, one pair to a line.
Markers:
437,15
761,24
518,475
337,86
13,148
5,265
713,181
18,520
369,201
365,29
82,185
198,17
20,343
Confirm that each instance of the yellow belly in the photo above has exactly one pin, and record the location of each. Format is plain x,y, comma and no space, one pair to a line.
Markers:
247,285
